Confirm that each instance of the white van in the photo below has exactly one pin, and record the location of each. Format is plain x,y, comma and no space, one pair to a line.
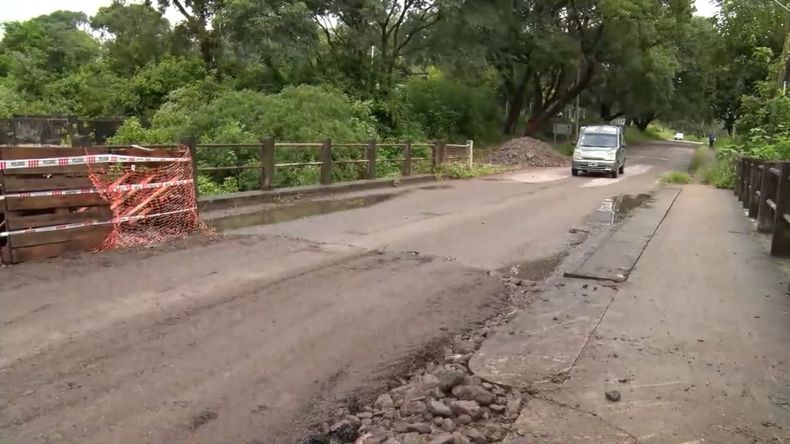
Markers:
600,149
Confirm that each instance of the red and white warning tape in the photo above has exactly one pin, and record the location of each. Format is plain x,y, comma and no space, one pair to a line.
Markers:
83,160
91,223
142,186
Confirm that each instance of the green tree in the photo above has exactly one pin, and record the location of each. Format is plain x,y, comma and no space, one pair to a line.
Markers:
751,35
39,51
133,35
150,86
270,44
198,16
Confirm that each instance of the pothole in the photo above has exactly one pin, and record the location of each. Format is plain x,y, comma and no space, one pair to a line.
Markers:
614,209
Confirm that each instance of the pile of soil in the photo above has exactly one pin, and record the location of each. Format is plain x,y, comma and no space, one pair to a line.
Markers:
527,151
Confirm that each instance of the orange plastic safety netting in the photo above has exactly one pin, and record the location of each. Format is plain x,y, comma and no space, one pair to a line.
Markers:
151,202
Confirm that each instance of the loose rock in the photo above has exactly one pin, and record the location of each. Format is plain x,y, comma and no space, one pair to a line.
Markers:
613,395
344,431
419,427
413,408
444,438
474,393
496,408
450,379
529,152
464,347
384,402
513,407
458,438
439,409
463,419
412,438
448,425
429,381
494,433
471,408
475,436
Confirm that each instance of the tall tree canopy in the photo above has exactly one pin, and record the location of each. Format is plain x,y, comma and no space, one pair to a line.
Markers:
528,59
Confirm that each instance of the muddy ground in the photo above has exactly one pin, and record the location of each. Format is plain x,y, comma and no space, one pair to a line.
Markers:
145,351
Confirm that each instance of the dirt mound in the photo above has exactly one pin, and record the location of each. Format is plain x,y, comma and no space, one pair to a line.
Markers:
527,151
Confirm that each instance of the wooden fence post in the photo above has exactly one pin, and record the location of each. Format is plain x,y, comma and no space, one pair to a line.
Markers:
326,162
754,199
747,173
267,163
767,192
745,181
370,154
406,170
438,151
780,242
191,144
738,172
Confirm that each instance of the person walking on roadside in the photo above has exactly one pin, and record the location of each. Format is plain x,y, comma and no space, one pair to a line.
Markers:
711,139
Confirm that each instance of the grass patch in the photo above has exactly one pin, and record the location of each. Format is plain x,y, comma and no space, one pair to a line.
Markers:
721,172
701,158
463,171
677,177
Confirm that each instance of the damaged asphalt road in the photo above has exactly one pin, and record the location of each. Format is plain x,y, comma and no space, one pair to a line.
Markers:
258,337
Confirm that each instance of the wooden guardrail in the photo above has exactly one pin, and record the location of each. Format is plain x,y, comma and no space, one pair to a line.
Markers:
440,153
764,189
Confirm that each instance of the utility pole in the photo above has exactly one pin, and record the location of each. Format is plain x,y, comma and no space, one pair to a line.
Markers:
578,99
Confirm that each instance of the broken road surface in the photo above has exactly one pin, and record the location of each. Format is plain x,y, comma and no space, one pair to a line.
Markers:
245,339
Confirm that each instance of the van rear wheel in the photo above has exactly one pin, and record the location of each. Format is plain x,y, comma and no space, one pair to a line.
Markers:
622,168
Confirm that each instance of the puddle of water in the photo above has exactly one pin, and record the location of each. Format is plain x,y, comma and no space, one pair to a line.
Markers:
291,212
615,209
535,270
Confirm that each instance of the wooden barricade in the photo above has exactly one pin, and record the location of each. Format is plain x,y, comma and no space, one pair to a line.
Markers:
53,204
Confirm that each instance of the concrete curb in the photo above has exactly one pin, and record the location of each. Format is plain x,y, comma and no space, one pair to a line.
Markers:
246,198
617,256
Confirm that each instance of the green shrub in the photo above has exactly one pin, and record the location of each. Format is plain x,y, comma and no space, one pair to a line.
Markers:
132,131
463,171
447,109
677,177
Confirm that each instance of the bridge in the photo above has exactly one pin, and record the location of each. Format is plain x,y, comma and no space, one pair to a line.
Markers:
572,309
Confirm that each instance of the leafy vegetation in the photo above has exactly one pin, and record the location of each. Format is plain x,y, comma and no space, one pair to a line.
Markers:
306,70
677,177
464,171
634,135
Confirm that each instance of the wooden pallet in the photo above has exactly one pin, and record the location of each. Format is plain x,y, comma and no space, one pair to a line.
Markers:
19,213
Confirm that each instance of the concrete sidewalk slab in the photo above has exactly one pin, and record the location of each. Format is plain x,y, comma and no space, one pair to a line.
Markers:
541,344
618,255
695,342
